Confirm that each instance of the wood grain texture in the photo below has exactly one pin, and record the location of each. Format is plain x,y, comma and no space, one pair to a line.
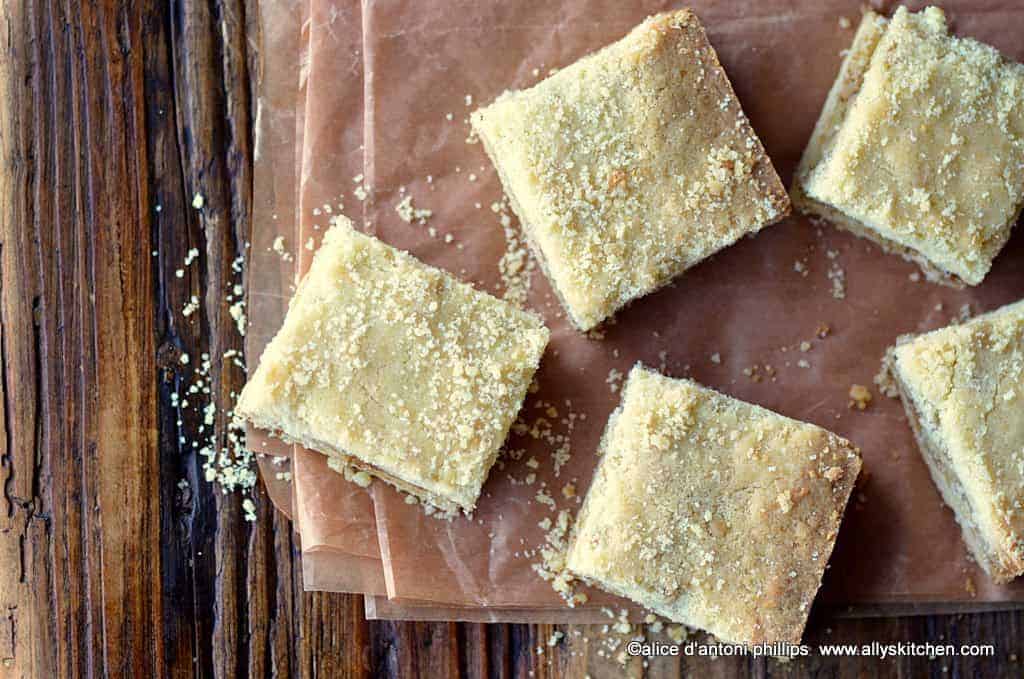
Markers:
113,115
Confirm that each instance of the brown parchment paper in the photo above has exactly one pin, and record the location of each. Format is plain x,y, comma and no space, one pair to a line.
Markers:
280,116
751,305
334,517
339,548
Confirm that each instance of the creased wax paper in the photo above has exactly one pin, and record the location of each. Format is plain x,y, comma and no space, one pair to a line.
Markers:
280,109
789,319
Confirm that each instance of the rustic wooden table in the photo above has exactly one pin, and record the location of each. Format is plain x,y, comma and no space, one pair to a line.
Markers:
107,568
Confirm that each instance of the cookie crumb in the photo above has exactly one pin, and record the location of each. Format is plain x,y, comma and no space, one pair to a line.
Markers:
860,397
278,247
885,382
836,275
408,213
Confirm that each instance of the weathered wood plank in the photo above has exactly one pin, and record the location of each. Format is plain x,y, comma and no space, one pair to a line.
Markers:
213,142
26,636
332,638
78,345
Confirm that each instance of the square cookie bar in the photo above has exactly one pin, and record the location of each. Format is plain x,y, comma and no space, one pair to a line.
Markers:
711,511
630,166
920,146
396,369
963,389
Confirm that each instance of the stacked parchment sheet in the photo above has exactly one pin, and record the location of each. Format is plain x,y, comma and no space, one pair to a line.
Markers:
364,111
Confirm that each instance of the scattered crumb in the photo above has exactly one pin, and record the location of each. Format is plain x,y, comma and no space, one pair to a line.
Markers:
844,23
885,383
516,265
236,307
614,379
552,564
249,507
278,247
837,275
228,463
757,373
408,213
860,397
198,201
191,306
716,358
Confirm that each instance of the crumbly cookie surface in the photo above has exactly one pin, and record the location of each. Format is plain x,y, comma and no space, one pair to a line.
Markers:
711,511
963,387
397,368
921,145
631,165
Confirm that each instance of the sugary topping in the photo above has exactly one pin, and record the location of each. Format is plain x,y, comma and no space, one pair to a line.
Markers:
711,511
967,387
398,365
631,165
930,151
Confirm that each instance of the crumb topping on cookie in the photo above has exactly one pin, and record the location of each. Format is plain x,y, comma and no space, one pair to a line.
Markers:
397,365
929,150
631,165
966,385
711,511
